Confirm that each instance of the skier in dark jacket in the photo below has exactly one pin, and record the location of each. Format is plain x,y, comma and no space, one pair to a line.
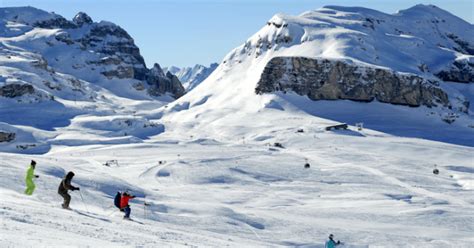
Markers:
64,186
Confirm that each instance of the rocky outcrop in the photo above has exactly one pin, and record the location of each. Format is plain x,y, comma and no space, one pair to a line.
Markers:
81,18
123,60
176,88
463,46
322,79
119,72
57,22
461,71
7,137
64,37
119,50
15,90
160,83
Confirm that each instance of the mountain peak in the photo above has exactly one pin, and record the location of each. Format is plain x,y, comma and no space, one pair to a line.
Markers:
428,11
430,47
157,66
424,8
82,18
157,71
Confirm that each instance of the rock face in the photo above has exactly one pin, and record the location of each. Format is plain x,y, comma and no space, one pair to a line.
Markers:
161,83
322,79
461,71
58,22
7,137
15,90
82,18
121,57
463,46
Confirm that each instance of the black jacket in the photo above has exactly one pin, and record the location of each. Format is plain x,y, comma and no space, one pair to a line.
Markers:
65,184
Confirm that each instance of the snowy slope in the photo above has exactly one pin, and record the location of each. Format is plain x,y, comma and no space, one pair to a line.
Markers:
191,77
367,188
412,41
61,78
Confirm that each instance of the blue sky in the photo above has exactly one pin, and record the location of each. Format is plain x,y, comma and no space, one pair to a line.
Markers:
187,32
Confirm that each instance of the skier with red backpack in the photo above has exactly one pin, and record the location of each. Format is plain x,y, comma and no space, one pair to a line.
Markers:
121,201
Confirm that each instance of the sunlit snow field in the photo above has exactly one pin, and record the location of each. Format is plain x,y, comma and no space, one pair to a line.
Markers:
367,188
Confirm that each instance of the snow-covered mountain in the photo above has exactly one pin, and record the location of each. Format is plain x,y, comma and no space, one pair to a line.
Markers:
53,70
244,159
191,77
95,52
393,69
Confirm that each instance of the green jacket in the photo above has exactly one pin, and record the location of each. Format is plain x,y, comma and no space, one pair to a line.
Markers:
331,244
30,173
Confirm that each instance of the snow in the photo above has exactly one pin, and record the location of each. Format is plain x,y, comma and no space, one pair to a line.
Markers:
369,189
207,163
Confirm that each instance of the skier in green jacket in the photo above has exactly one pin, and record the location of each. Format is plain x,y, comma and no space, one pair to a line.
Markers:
30,173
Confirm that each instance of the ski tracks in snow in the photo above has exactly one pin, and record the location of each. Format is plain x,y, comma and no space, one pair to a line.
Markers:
417,190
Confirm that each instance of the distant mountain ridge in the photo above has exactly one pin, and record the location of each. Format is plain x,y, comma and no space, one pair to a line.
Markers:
192,76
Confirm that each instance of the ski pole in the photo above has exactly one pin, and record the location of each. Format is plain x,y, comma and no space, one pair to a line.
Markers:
145,204
80,193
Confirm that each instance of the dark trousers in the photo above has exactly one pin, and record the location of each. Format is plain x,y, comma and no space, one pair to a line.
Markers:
67,199
127,211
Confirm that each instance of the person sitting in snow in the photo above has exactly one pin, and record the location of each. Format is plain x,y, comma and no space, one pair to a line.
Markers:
30,173
331,243
64,186
126,196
